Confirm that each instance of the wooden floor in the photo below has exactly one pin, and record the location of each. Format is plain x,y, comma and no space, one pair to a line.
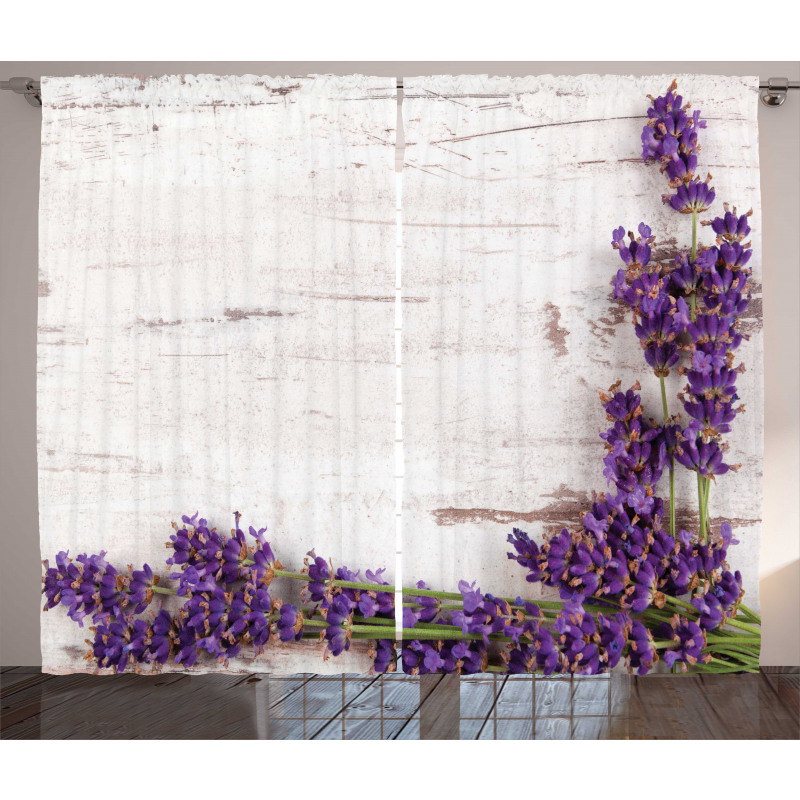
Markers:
177,706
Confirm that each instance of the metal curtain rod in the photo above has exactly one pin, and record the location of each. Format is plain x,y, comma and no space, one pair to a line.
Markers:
773,91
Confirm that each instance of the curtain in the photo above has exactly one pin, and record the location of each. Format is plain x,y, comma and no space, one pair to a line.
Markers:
216,324
511,190
217,314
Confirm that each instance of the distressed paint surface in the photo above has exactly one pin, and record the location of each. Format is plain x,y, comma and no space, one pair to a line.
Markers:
511,190
215,323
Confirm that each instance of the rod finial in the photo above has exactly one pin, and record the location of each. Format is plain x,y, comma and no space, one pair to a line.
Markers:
30,89
775,92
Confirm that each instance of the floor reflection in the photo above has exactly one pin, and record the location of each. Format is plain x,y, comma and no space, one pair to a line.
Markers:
350,707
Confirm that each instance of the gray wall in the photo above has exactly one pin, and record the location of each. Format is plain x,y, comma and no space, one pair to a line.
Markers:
20,569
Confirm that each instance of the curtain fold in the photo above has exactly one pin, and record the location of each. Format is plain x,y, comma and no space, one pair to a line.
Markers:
215,323
511,190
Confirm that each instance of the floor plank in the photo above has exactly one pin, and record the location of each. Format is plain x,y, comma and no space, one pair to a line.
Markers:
245,706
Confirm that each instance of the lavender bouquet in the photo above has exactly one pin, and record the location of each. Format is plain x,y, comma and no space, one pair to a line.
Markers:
634,587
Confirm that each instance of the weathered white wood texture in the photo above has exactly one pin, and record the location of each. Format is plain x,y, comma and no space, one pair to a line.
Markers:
216,322
511,190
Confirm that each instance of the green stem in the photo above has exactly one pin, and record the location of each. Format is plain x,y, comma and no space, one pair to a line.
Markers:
674,601
750,614
741,655
724,640
700,500
163,590
671,463
380,622
672,495
735,623
693,297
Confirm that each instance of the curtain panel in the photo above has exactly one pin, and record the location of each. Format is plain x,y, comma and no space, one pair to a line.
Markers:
217,320
216,298
511,189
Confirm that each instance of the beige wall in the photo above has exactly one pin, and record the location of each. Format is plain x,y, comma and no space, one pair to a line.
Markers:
19,175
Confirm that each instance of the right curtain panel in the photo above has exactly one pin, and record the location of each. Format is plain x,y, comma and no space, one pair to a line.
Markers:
518,195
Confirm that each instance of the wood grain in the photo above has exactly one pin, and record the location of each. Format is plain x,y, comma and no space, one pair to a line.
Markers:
36,705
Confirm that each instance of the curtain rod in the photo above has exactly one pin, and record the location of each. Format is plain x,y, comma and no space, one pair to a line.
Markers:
773,91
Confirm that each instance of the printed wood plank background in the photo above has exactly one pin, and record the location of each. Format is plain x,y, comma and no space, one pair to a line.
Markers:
511,190
216,323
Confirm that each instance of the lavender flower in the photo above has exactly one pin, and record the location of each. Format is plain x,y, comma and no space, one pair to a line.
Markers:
636,255
427,611
484,614
339,616
694,197
690,640
450,657
91,586
163,636
527,554
383,655
642,653
688,276
704,458
319,571
140,588
289,626
731,227
578,639
110,640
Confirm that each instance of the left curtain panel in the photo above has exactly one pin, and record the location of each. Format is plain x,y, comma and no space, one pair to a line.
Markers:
216,290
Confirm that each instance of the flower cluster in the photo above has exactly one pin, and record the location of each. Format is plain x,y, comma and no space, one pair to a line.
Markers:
584,644
710,395
671,137
693,305
207,557
637,449
224,583
340,604
91,586
644,288
123,639
447,657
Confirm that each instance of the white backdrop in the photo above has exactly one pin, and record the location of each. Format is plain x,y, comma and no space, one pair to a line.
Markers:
216,322
511,190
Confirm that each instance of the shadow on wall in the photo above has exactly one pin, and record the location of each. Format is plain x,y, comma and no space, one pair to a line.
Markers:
781,637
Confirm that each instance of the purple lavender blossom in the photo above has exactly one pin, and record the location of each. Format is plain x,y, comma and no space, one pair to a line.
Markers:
704,458
690,640
319,571
339,616
578,639
140,588
423,657
636,254
731,227
289,625
91,586
527,554
642,653
384,656
694,197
